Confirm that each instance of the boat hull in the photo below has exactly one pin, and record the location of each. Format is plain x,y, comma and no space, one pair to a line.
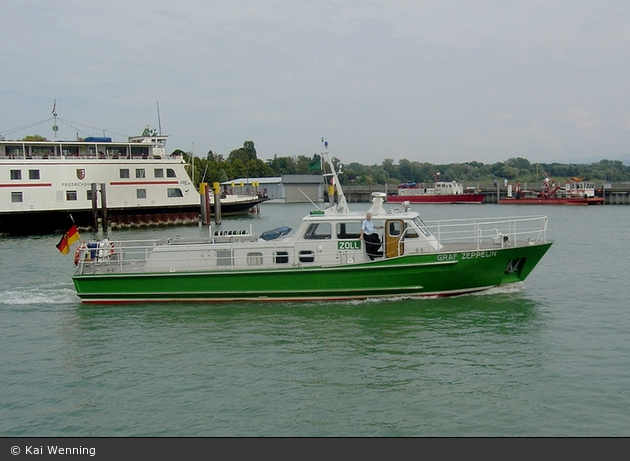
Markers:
553,201
460,198
435,274
48,222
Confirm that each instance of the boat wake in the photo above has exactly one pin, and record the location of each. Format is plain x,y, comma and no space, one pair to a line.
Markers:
41,295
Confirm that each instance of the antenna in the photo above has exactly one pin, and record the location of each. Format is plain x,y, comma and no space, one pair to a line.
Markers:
159,121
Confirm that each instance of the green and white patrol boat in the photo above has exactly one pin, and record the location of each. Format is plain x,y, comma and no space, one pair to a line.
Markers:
324,259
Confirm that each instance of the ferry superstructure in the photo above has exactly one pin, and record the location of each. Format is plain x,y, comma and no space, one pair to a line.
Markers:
43,183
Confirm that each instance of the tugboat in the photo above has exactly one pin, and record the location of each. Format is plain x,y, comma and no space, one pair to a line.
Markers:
440,192
326,258
576,191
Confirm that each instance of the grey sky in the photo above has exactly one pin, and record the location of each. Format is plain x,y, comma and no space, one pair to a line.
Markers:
436,81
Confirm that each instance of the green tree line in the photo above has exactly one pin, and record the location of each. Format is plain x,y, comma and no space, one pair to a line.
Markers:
244,162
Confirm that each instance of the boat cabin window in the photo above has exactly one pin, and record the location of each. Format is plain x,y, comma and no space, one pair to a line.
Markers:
348,230
43,151
71,195
410,231
16,197
395,228
14,152
124,173
158,173
70,151
254,259
423,228
33,174
318,231
170,173
173,192
140,173
224,257
16,174
307,256
141,193
282,257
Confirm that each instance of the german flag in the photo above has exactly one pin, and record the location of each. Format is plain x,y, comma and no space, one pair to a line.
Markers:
68,239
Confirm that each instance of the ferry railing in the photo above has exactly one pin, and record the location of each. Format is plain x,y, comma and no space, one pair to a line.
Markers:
510,231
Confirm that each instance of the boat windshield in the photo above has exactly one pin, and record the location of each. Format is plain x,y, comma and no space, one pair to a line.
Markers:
422,227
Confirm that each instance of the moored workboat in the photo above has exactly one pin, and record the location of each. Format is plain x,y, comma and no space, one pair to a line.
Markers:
325,258
439,192
576,191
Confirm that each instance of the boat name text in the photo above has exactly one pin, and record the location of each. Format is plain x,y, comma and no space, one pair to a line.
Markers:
467,255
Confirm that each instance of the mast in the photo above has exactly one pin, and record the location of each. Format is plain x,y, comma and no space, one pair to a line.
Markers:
342,205
158,114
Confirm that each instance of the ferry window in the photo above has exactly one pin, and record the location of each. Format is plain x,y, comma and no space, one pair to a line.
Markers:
71,195
16,174
307,256
33,174
174,192
170,173
282,257
348,230
89,195
158,173
318,231
124,173
141,193
254,259
140,173
16,197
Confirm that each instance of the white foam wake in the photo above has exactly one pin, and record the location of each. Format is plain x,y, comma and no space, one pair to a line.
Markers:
58,295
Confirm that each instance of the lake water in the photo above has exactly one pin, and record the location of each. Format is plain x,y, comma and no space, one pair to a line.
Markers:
549,357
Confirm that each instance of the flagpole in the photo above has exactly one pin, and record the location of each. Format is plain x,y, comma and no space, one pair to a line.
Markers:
54,112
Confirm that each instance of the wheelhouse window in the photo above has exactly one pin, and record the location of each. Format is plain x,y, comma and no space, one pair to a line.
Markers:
124,173
16,174
33,174
71,195
141,193
173,192
318,231
16,197
170,173
158,173
348,230
140,173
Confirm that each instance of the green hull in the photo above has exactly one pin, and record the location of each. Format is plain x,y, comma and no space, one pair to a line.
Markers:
434,274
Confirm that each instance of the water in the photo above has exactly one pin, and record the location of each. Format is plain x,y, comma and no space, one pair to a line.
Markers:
549,357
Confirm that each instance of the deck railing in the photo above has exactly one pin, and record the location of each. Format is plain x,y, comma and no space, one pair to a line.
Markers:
134,255
510,231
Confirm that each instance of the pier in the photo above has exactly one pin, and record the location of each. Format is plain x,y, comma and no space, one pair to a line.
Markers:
614,193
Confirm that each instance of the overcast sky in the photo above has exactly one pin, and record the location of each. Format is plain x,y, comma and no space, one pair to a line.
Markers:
436,81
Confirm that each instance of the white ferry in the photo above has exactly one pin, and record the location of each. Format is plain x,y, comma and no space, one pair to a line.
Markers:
45,183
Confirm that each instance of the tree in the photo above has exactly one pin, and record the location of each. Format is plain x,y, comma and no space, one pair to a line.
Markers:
34,137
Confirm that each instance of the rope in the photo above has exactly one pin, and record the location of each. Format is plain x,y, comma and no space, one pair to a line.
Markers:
25,127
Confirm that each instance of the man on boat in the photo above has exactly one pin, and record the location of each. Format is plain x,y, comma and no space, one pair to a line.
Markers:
371,238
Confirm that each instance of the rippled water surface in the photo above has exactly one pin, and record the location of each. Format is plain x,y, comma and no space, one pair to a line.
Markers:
550,356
